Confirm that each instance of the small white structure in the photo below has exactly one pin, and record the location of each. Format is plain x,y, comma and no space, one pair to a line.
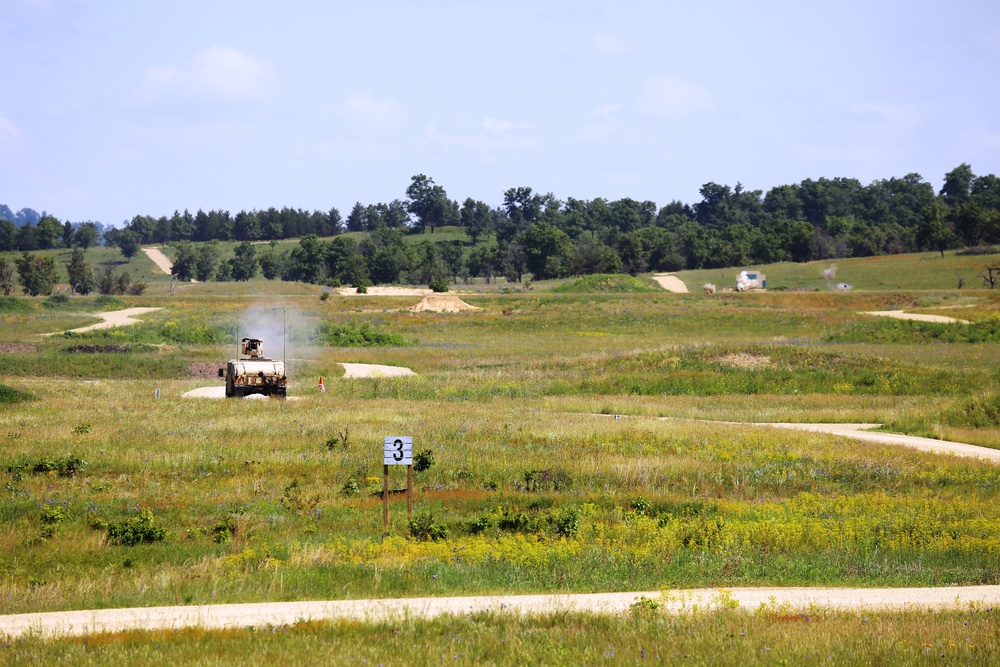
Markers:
843,287
748,280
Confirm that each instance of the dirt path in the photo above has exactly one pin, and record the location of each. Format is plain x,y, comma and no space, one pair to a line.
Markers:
374,370
387,290
862,432
670,282
901,315
161,260
112,318
63,623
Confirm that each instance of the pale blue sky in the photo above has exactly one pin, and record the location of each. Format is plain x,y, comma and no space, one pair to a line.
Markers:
109,109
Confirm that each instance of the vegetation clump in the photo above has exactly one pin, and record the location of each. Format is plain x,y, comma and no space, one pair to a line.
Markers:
365,334
136,530
911,331
10,396
605,282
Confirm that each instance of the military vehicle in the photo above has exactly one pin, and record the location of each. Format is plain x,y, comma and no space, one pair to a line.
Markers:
252,373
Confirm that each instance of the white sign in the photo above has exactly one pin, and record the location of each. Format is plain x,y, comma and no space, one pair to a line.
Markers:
398,450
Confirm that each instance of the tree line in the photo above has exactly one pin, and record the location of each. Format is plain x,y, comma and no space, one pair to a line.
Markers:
536,233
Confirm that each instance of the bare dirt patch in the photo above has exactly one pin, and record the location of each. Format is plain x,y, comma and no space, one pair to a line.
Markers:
441,303
744,360
162,261
387,290
374,370
206,392
17,348
670,282
206,369
901,315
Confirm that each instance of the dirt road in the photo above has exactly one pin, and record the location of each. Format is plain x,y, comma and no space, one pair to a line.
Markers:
112,318
861,432
65,623
162,261
670,282
901,315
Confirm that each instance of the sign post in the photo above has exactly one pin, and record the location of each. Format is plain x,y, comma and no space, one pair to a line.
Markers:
397,450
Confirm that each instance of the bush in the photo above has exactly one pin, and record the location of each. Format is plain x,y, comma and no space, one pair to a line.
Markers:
358,335
56,301
66,466
423,527
136,530
9,395
423,460
438,285
13,304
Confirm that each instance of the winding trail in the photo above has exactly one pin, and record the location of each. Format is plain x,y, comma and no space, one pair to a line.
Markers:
162,261
74,623
112,318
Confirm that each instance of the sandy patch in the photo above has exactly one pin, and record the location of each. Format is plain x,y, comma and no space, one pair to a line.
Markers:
262,614
113,318
387,290
744,360
670,282
901,315
206,392
441,303
374,370
162,261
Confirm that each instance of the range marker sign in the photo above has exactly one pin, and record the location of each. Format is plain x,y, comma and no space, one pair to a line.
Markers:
398,450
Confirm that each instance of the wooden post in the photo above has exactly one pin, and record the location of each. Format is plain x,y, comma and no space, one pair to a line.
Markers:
409,491
385,496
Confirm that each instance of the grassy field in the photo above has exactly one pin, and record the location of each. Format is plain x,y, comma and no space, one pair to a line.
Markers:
113,497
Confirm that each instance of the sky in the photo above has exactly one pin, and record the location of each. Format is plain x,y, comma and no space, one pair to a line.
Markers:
111,109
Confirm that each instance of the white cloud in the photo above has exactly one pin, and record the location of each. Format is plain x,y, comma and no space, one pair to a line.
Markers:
607,110
369,113
219,72
7,128
898,116
500,125
482,143
672,97
611,44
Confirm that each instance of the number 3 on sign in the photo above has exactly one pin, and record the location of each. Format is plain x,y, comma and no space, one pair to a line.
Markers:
398,450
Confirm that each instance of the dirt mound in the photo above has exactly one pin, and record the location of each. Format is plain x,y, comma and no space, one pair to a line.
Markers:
441,303
17,348
206,369
670,282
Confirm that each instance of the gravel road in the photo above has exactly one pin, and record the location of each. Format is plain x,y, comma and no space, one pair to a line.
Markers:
66,623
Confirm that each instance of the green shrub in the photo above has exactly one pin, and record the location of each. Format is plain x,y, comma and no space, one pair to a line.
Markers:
607,282
423,460
438,285
358,335
136,530
9,395
565,522
53,515
66,466
56,301
13,304
107,301
423,527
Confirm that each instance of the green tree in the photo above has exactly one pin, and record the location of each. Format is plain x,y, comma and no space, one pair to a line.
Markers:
48,232
357,219
81,276
430,203
185,261
67,234
85,235
386,255
128,242
37,275
208,261
272,263
477,219
547,251
307,262
243,266
8,236
6,276
957,185
934,232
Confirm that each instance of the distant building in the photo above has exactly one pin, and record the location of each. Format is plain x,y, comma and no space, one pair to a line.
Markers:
748,280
